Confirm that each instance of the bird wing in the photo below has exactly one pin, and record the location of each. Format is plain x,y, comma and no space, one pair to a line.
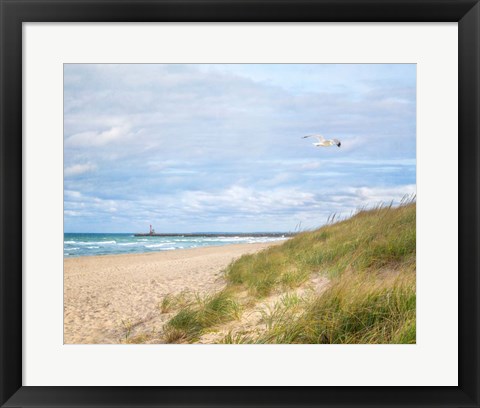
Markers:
320,138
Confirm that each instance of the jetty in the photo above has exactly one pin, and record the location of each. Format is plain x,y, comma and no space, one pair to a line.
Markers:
152,233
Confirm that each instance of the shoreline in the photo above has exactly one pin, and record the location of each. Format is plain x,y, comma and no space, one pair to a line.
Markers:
268,243
107,295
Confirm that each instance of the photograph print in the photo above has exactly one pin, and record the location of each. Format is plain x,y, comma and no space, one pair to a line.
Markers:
240,203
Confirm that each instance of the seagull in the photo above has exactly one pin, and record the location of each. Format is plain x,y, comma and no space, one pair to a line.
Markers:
322,142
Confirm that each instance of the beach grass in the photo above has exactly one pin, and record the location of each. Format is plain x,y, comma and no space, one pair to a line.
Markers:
205,312
381,238
172,302
356,309
370,261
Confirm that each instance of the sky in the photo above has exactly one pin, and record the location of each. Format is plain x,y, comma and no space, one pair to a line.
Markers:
219,148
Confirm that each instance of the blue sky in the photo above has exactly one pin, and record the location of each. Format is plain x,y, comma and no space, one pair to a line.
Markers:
219,147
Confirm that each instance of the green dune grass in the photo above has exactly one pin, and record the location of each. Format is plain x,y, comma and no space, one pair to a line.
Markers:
370,260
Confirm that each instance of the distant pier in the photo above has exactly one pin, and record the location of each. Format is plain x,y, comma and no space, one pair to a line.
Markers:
152,233
199,234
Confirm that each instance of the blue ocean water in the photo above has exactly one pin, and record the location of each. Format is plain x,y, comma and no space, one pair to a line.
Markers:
111,244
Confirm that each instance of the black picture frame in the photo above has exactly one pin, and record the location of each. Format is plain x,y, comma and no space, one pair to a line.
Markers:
15,12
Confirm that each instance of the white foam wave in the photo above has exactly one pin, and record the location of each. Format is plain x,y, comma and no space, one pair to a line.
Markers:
158,245
74,248
95,242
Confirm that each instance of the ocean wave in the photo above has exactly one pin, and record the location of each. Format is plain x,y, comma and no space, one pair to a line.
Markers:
81,246
223,239
91,242
158,245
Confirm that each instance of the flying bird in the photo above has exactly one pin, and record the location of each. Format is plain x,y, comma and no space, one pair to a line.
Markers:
322,142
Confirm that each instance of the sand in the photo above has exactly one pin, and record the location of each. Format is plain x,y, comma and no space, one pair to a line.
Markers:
108,299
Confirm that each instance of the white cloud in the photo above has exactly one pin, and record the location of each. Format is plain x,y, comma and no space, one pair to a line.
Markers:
71,213
237,199
95,138
372,195
78,169
72,194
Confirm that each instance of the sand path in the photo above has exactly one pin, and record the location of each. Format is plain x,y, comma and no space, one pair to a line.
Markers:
110,298
251,322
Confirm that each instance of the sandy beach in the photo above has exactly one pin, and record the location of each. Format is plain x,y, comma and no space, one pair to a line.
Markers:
107,298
